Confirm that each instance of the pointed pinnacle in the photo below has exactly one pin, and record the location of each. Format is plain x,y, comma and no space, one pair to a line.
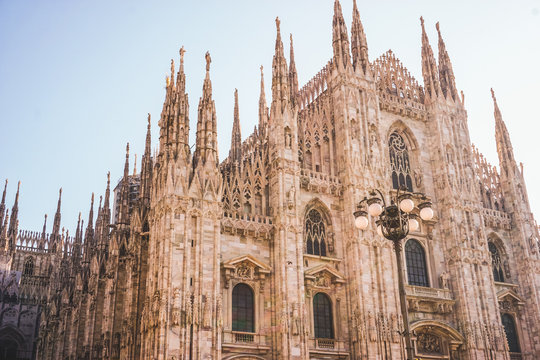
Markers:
5,188
208,61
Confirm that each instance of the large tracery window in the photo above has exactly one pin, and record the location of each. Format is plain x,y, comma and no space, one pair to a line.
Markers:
322,316
399,162
416,264
243,309
511,333
496,263
315,232
29,267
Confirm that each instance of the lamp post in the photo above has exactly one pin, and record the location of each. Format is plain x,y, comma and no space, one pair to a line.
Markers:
394,221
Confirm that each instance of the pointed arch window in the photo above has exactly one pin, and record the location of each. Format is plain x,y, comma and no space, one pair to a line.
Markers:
415,257
243,310
315,232
28,266
399,162
322,316
511,334
496,262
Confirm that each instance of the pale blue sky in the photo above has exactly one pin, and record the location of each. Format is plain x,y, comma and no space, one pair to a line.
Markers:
77,78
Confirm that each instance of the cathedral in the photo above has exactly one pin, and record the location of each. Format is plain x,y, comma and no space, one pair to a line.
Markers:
257,256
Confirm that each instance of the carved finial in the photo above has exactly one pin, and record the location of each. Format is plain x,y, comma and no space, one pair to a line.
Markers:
493,95
262,74
135,166
108,178
462,97
438,29
422,20
149,117
277,23
208,61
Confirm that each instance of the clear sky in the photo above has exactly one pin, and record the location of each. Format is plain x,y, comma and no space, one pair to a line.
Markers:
77,78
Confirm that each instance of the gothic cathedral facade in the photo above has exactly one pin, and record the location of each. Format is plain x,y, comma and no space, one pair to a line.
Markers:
257,256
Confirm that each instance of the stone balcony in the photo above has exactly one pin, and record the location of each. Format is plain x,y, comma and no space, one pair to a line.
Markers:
320,182
430,300
245,341
497,219
329,348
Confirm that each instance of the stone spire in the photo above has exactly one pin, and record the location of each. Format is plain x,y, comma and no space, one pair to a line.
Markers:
104,215
182,110
174,121
3,206
429,66
55,235
14,222
502,137
446,73
89,233
3,233
280,76
43,233
77,243
123,211
359,46
263,108
235,153
340,39
293,75
146,163
206,142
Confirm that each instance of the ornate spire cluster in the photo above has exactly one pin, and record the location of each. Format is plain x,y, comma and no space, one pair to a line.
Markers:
340,39
446,73
359,47
502,138
280,76
236,138
430,71
206,150
293,75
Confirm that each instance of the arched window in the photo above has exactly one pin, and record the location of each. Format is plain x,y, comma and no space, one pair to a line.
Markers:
243,313
399,162
28,266
315,232
322,316
511,333
416,264
496,263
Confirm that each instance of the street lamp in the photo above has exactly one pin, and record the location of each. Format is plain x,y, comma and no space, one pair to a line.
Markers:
394,223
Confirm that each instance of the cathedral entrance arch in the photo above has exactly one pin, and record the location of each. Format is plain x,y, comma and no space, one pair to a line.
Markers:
11,343
436,340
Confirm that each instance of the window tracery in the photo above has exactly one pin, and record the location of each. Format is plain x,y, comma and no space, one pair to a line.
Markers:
399,162
416,264
315,232
322,316
28,266
496,262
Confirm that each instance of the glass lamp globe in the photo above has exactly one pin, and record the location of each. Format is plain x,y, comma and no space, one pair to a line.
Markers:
413,224
375,209
379,230
406,205
361,222
426,213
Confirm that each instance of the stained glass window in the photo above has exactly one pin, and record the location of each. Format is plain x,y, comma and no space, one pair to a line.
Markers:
322,316
243,309
511,333
416,264
315,233
399,162
496,262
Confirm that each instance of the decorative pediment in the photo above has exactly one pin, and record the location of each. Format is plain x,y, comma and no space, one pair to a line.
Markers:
323,276
509,301
245,268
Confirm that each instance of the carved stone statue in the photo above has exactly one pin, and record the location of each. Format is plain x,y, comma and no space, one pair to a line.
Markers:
444,279
295,320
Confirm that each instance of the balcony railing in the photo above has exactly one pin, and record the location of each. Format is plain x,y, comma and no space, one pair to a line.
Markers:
412,290
240,338
325,345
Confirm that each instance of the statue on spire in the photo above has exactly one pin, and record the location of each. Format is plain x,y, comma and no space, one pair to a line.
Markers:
182,52
208,60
